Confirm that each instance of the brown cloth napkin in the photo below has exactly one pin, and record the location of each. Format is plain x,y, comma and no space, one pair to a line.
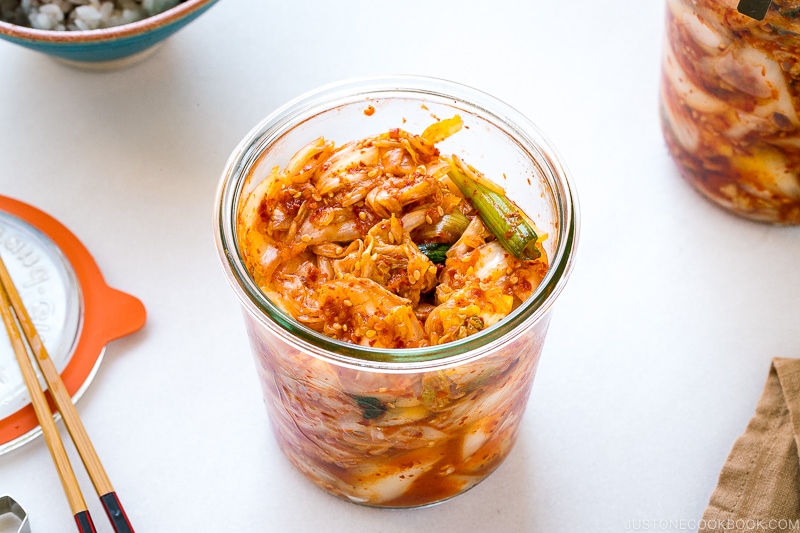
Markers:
759,485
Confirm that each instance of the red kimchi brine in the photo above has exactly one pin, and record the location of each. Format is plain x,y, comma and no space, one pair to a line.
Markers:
395,439
729,104
396,298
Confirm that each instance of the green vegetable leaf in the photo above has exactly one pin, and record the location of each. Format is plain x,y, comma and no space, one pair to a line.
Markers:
372,407
436,252
791,13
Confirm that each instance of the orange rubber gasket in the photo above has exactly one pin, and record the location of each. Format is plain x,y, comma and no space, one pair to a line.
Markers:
108,314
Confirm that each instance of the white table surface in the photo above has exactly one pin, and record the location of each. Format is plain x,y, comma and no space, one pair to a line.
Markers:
658,350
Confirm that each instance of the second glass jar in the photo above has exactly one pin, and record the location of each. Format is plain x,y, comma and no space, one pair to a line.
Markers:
729,95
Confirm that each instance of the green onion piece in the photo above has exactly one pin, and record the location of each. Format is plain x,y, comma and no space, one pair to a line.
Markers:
447,229
513,229
436,252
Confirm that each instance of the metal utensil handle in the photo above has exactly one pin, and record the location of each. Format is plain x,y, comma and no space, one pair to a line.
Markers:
756,9
10,506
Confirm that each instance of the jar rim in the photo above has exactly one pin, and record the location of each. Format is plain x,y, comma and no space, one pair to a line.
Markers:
328,97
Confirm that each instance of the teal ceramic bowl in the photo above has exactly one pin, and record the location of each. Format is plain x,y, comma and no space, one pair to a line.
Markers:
107,47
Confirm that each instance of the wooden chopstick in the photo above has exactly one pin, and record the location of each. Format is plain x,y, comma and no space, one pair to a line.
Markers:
71,488
58,391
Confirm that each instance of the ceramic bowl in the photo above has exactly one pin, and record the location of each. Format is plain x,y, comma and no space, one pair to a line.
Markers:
108,47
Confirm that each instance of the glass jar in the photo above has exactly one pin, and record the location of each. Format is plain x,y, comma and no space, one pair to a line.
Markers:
729,98
400,427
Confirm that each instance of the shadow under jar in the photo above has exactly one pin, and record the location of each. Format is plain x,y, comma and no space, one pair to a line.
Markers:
729,100
400,427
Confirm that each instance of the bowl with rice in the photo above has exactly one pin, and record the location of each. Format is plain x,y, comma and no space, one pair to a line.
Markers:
96,33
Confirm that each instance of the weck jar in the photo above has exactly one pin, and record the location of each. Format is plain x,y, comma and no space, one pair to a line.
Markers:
400,427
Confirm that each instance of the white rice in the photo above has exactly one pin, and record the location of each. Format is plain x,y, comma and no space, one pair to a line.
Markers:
61,15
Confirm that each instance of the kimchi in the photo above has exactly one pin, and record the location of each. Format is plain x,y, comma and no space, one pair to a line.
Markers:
729,104
386,242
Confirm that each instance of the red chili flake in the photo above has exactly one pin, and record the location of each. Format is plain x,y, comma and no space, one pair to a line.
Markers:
369,111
